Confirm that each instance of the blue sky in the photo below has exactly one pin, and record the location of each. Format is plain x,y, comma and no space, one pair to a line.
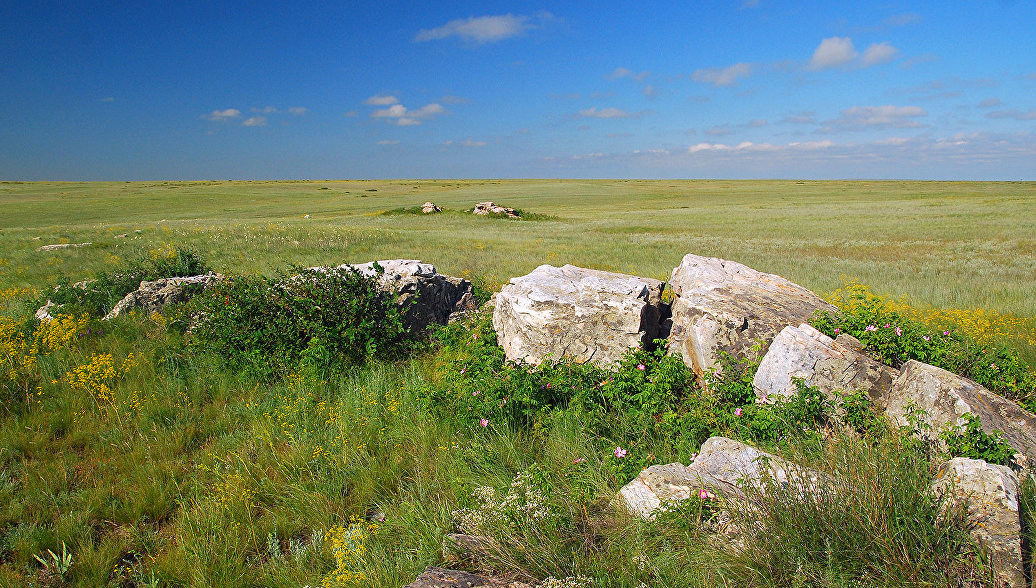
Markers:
711,89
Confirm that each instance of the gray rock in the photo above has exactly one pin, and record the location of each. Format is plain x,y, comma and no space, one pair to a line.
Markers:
487,208
722,305
991,493
154,296
575,313
435,577
724,467
945,397
426,296
43,313
430,208
806,353
57,246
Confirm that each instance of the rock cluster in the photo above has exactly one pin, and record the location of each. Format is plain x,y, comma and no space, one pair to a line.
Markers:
488,208
57,246
430,208
424,295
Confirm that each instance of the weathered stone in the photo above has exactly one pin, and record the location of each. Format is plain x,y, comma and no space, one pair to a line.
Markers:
722,305
435,577
806,353
43,313
723,466
991,492
575,313
944,398
426,296
487,208
154,296
430,208
57,246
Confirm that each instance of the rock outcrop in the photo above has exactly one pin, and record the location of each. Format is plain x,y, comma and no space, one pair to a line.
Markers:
57,246
991,492
154,296
722,305
723,466
820,361
434,577
425,295
580,314
944,398
488,208
430,208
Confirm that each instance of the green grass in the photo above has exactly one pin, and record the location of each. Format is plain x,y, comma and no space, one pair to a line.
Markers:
195,475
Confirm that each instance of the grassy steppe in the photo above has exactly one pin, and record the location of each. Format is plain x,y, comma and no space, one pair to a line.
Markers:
186,472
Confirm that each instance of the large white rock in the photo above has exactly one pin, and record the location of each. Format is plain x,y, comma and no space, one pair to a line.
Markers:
722,305
723,466
944,398
580,314
820,361
991,492
426,296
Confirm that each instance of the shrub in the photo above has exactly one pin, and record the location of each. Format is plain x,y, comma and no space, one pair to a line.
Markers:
895,333
98,296
969,440
324,318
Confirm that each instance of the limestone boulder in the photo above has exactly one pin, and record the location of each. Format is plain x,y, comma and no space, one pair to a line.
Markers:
722,305
488,208
425,296
991,493
430,208
820,361
724,467
944,398
580,314
153,296
57,246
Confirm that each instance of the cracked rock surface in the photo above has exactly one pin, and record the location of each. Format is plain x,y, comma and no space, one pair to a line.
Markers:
580,314
723,305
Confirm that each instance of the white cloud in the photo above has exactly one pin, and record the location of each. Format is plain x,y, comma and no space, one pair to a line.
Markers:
877,54
720,130
833,52
402,116
222,115
649,91
255,121
756,147
1013,113
608,113
267,110
381,100
298,110
484,29
723,76
877,116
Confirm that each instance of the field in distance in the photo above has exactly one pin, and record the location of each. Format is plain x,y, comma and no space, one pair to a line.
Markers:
962,245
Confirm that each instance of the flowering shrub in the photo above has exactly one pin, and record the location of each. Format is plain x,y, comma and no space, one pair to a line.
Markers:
21,347
895,332
969,440
348,546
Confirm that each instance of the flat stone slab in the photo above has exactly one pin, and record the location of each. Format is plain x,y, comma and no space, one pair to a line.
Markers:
991,492
575,313
820,361
57,246
945,397
723,305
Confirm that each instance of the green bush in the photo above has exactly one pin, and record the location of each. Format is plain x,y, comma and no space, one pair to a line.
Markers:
99,296
971,441
323,318
895,338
